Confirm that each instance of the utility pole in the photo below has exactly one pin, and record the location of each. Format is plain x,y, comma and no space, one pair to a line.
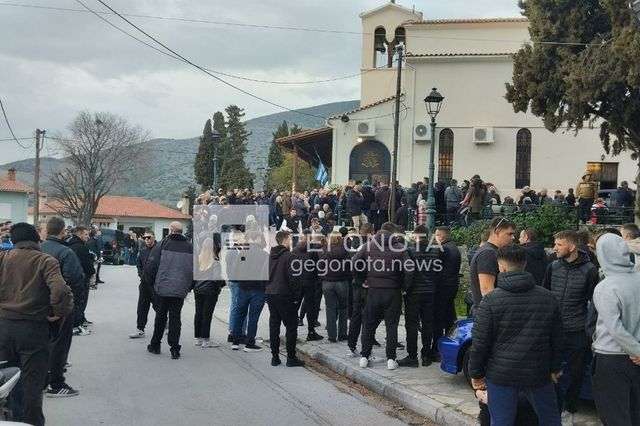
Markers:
36,180
396,132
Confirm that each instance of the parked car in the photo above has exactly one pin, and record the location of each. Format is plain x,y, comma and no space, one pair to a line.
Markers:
454,353
113,246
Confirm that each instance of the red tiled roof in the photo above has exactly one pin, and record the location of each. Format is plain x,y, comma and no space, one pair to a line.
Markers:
13,186
466,21
362,108
118,206
433,55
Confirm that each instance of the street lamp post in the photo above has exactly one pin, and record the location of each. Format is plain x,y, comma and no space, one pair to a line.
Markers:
433,103
215,137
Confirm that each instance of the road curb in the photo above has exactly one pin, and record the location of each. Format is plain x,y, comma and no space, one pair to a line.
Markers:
396,392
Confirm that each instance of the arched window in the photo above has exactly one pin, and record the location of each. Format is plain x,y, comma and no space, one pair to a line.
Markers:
380,45
445,156
523,158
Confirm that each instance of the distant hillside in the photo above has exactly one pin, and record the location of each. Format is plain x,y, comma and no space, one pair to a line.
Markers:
167,170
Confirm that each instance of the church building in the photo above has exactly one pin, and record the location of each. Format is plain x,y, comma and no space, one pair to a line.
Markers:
469,61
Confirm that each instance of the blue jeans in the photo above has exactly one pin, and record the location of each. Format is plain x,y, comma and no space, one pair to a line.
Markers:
503,404
233,309
251,300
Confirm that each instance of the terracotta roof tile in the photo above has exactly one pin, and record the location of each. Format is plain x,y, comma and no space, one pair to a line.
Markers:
13,186
435,55
466,21
119,206
362,108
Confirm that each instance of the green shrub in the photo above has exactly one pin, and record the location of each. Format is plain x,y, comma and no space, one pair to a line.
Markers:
469,236
546,220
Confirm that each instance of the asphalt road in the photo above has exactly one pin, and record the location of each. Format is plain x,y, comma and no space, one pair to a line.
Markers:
120,383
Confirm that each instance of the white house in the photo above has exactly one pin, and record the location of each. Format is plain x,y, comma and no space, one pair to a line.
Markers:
14,198
469,61
126,213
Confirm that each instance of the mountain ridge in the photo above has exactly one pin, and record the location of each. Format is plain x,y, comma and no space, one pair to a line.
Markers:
167,169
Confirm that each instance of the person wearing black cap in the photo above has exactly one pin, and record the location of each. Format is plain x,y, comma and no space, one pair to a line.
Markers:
33,294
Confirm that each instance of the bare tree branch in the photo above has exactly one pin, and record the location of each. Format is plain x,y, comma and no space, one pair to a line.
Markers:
102,152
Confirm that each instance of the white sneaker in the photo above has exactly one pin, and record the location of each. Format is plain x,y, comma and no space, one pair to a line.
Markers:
235,347
198,342
567,418
352,353
392,364
81,331
210,344
364,362
137,334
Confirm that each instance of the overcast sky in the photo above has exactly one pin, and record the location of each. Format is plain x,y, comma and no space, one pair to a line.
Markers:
55,63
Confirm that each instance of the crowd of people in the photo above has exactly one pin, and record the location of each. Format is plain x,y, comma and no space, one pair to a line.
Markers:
583,299
46,275
530,309
455,204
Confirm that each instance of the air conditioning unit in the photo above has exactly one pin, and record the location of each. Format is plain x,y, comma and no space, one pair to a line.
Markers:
482,135
422,133
367,128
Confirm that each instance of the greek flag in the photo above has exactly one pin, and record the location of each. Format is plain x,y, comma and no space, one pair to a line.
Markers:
321,174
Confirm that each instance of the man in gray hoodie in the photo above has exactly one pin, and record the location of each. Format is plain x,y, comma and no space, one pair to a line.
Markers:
616,342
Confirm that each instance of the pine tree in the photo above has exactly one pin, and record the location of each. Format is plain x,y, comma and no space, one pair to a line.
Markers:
276,156
593,77
203,164
233,148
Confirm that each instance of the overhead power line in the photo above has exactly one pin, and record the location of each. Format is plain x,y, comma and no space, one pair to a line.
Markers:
99,15
291,28
175,55
4,113
201,68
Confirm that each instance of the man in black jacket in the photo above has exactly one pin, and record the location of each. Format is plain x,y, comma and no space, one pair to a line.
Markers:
78,243
95,244
304,261
283,298
72,273
420,296
517,343
384,266
572,279
536,256
358,295
292,225
146,295
355,200
382,200
446,288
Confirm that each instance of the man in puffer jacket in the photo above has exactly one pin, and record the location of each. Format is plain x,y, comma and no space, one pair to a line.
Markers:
170,268
383,267
517,343
572,279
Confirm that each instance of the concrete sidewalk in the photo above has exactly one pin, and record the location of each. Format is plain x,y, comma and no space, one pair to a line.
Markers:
428,391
